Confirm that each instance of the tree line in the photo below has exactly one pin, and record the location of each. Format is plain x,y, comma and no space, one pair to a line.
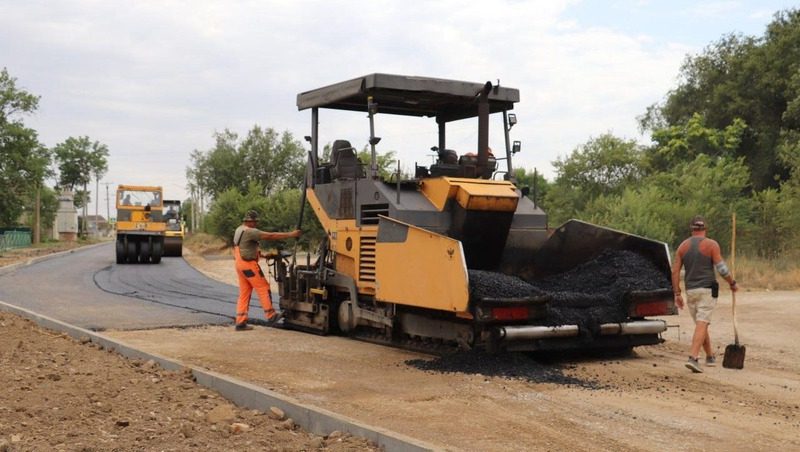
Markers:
26,165
262,171
725,139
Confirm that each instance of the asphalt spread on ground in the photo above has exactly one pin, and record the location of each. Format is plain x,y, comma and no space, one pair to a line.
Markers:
86,288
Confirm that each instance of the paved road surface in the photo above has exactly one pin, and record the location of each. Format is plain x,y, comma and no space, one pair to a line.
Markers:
86,288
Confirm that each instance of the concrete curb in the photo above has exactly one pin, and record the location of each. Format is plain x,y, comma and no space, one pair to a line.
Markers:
33,260
316,420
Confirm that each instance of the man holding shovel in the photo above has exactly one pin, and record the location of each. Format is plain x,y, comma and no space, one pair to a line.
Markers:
700,256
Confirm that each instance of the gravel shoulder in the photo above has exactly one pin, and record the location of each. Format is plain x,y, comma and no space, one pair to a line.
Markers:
647,401
22,255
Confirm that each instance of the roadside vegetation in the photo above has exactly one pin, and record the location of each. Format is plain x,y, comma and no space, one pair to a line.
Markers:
17,255
725,140
31,174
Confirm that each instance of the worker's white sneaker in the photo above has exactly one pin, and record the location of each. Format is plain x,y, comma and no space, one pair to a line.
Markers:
693,365
711,361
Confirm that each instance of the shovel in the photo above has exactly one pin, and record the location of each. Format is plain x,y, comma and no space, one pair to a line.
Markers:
734,353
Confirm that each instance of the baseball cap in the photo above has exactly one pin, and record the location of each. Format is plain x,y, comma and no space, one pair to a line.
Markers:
698,223
251,215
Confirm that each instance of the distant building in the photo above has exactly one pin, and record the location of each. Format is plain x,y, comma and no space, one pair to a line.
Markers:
97,225
66,227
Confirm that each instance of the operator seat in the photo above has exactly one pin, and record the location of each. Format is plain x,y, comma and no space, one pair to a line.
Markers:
344,164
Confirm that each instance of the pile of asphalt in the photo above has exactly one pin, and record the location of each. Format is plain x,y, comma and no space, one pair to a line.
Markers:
593,292
486,284
588,295
518,366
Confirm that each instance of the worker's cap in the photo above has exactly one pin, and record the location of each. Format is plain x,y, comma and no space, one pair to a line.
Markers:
698,223
251,215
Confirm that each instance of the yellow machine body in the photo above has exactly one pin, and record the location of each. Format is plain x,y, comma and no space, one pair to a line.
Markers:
175,228
140,226
429,253
426,258
399,271
471,194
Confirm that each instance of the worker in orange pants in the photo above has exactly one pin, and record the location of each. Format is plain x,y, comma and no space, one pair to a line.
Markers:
246,254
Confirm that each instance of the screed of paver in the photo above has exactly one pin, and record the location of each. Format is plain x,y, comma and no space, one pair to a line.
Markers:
646,401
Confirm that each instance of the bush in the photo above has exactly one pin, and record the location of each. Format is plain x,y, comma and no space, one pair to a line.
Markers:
276,213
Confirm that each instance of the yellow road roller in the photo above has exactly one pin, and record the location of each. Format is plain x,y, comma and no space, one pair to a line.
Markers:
140,224
173,239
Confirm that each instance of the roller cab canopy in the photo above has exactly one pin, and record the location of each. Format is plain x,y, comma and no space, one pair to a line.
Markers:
448,100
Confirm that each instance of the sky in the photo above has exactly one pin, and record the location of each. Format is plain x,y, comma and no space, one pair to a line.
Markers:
154,80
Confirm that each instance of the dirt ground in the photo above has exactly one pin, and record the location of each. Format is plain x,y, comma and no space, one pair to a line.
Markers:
61,394
19,255
648,401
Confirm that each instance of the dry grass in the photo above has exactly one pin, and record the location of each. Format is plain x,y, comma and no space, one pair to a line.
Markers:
202,243
17,255
758,273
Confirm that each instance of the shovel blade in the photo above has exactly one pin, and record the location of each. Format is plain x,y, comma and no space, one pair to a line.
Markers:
734,356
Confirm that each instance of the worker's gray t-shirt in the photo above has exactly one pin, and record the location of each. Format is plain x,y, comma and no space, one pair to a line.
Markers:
699,267
247,239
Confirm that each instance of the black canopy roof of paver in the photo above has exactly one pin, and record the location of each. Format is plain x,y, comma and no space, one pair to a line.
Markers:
408,95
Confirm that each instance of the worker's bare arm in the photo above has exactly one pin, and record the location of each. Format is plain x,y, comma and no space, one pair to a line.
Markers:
676,277
721,266
280,235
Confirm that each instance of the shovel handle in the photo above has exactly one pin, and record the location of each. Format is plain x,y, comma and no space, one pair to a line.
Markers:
735,324
733,269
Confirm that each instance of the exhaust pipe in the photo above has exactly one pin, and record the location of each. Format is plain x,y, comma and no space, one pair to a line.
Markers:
635,327
518,333
522,333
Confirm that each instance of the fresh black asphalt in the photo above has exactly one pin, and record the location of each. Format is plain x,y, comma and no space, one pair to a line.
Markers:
87,288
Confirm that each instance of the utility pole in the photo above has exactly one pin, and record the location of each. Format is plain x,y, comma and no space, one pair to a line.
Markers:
85,209
37,223
96,202
108,201
202,220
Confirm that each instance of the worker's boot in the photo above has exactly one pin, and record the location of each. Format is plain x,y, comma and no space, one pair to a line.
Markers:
243,327
274,319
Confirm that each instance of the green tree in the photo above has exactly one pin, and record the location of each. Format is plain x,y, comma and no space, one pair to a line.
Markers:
14,101
24,161
684,142
752,79
602,166
48,201
80,159
264,157
276,162
386,162
538,186
646,210
661,206
222,167
278,212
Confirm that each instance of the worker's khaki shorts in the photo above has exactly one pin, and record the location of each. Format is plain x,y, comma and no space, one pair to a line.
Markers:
701,304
